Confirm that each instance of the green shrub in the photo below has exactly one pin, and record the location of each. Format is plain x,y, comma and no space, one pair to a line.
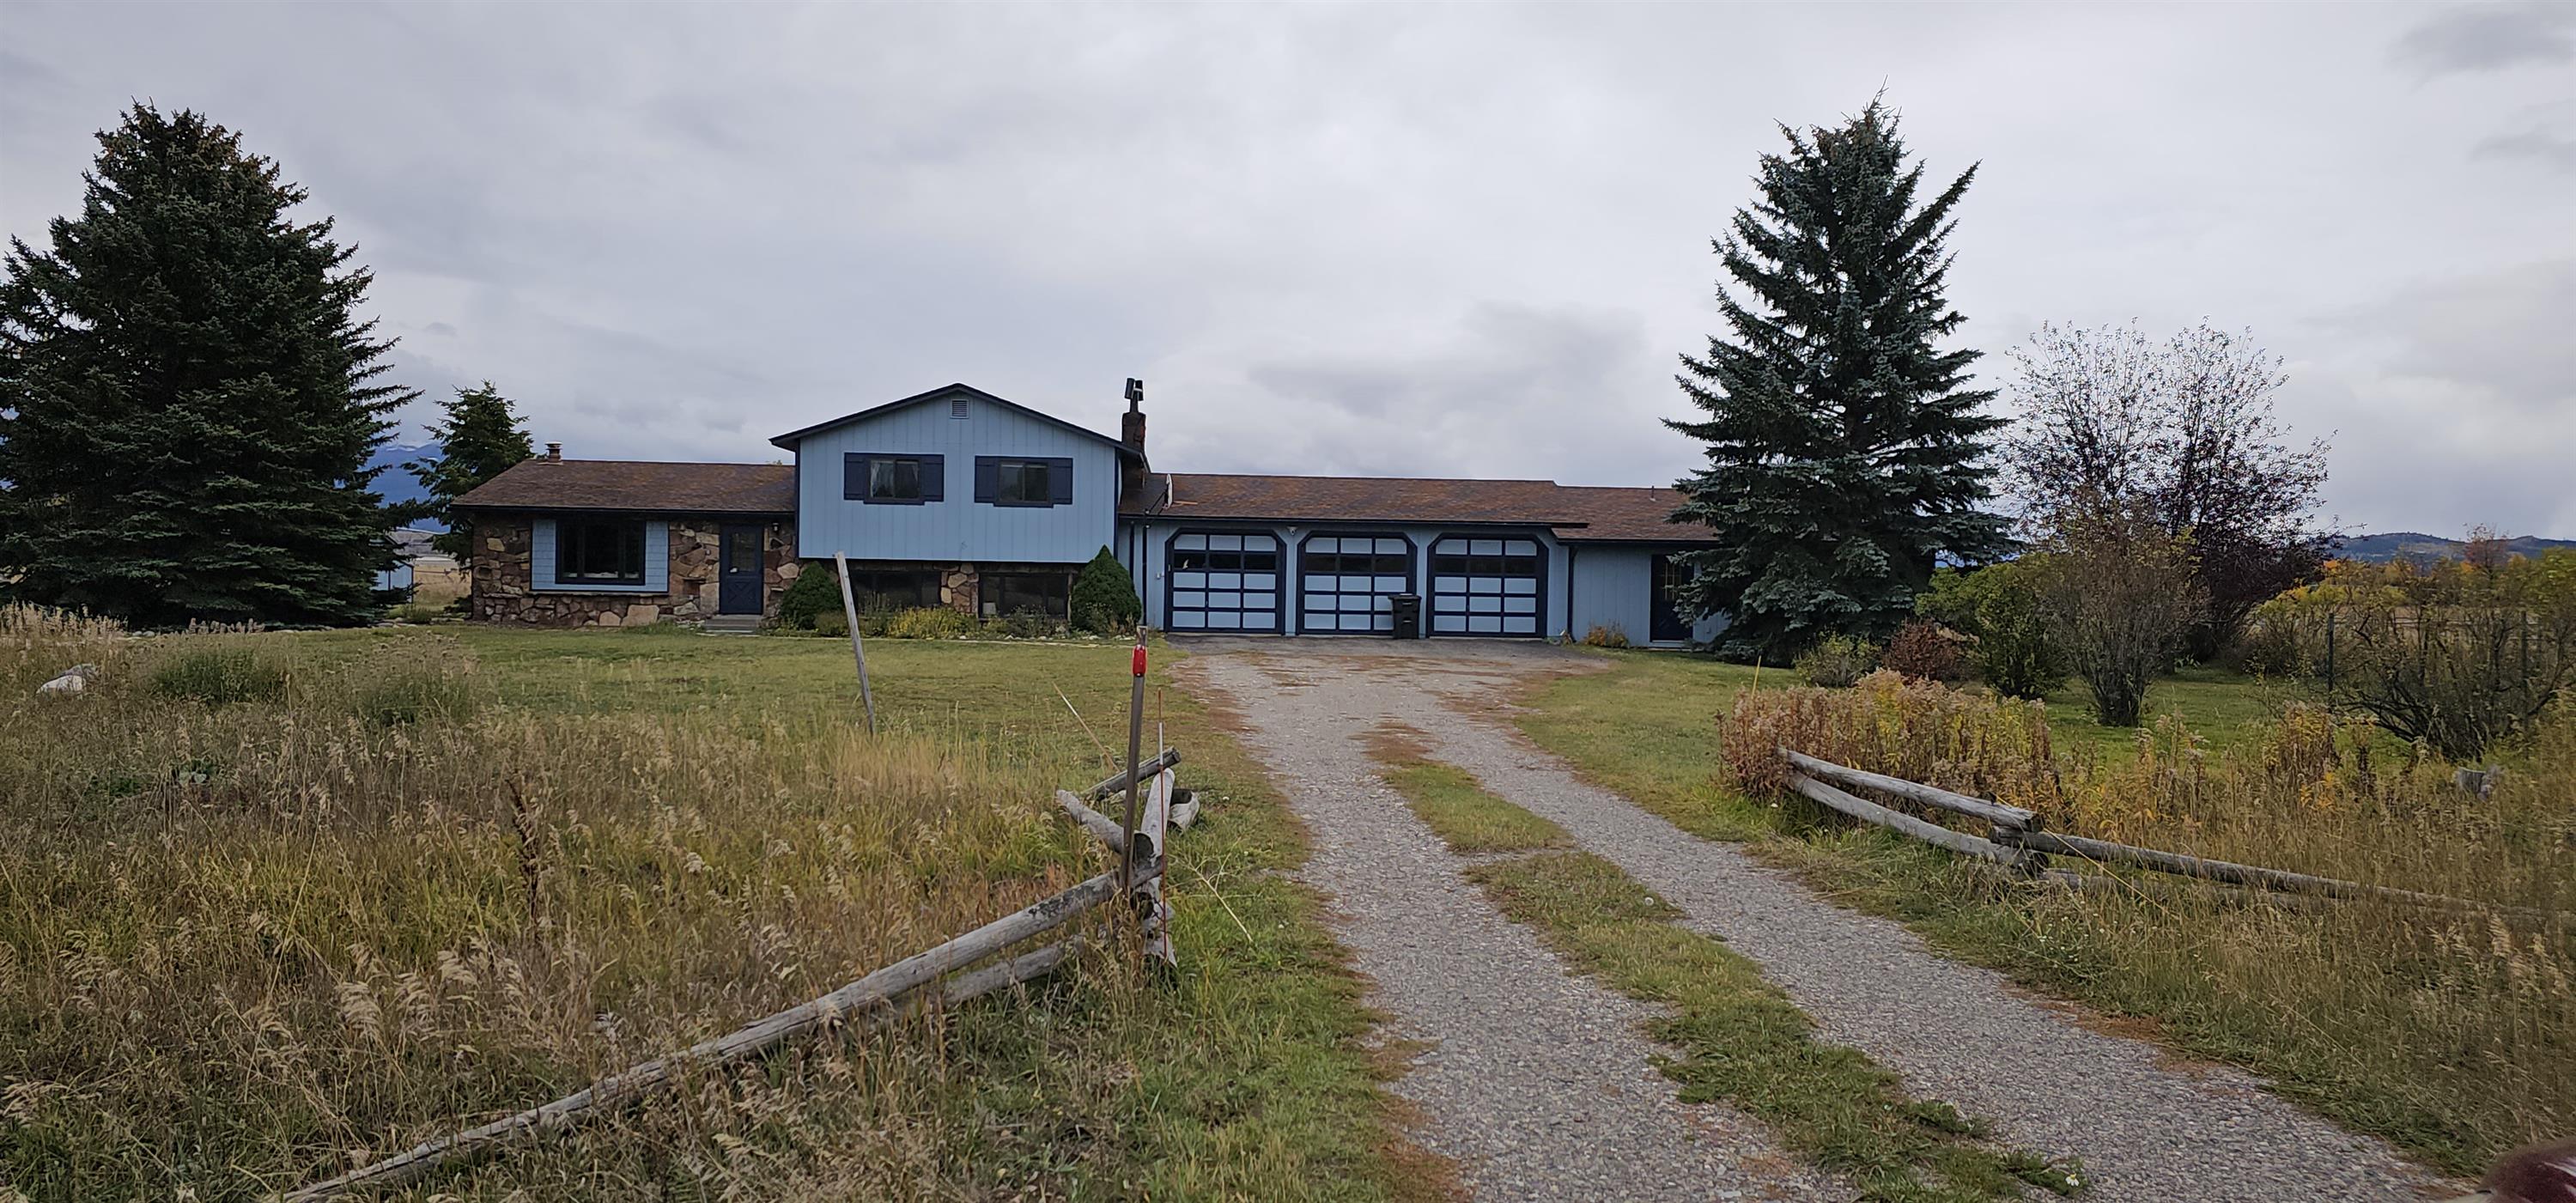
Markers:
833,624
216,676
1837,661
1606,634
1997,607
1104,600
815,591
2269,645
2119,594
929,622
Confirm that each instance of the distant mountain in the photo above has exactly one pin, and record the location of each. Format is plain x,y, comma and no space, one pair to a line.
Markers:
2425,549
397,485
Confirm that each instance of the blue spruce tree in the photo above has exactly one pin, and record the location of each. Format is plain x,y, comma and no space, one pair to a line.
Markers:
188,397
1845,452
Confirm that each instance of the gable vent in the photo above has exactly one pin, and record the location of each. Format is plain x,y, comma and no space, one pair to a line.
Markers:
957,407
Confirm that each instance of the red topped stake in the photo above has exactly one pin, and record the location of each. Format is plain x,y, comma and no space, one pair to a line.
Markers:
1135,751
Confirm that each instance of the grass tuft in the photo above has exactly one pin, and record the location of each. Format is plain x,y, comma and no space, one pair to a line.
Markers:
1449,800
220,676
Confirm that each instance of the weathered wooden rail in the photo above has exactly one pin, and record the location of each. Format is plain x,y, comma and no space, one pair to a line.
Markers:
931,977
2007,822
2017,839
1165,807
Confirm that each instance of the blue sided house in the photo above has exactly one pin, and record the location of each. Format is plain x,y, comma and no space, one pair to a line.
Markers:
956,497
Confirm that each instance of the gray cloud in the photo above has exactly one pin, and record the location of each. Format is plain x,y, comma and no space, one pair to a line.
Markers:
1542,393
1412,240
2488,37
2505,336
2551,148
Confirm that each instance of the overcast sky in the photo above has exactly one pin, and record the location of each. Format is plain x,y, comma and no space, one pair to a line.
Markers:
1373,240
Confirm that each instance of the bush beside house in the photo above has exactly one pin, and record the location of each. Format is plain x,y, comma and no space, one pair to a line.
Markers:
1104,600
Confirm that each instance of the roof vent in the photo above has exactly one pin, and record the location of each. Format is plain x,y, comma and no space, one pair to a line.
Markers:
959,407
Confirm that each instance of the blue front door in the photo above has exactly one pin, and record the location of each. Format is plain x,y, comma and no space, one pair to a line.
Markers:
1668,625
740,559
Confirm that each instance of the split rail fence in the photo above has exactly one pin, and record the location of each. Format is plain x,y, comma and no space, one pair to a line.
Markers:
931,978
2018,841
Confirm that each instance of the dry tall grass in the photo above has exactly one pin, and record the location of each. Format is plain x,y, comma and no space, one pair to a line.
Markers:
243,945
2453,1030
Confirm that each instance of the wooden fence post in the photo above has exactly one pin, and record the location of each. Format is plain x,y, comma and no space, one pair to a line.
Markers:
1155,915
850,609
1135,754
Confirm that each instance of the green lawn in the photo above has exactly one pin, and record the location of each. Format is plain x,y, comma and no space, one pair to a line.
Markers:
2219,706
710,840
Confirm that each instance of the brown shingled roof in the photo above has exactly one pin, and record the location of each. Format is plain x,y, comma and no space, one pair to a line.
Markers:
1628,516
1578,514
636,487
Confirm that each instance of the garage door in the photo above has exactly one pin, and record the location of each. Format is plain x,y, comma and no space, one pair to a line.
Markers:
1486,586
1346,583
1221,582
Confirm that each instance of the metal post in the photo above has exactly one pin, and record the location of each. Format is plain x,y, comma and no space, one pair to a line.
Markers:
1135,754
850,609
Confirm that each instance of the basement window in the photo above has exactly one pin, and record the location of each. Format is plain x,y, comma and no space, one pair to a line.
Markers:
1008,593
893,588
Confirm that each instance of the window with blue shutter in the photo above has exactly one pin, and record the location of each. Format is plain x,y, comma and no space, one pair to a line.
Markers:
1009,480
878,478
599,551
599,554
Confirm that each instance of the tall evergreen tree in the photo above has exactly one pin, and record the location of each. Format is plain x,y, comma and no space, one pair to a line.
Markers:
481,437
1845,455
187,403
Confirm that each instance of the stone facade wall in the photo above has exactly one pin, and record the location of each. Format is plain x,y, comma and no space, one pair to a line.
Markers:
503,573
958,588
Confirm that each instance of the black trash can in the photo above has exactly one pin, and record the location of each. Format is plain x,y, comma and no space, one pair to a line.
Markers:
1408,615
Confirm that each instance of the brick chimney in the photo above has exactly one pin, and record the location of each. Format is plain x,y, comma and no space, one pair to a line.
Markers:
554,453
1131,431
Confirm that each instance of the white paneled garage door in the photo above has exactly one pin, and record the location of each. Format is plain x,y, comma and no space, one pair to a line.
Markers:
1222,582
1487,586
1346,583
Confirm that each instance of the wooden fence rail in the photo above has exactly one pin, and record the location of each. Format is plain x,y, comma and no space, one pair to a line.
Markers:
1166,807
2018,841
872,1001
1871,812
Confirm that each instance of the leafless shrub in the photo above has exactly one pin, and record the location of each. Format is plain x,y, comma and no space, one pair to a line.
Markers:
2118,594
2182,433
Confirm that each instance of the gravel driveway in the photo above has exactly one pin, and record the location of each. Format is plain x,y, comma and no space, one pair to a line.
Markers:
1538,1083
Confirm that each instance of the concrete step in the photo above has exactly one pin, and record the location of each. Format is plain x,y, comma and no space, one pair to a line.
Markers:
732,624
